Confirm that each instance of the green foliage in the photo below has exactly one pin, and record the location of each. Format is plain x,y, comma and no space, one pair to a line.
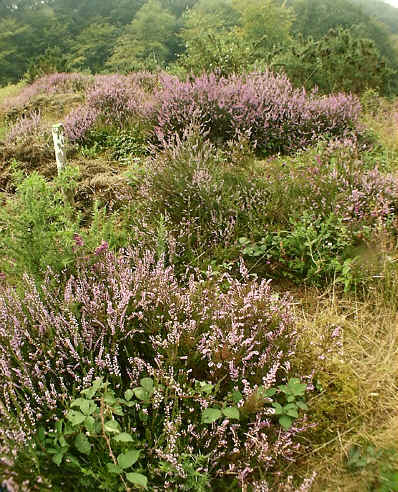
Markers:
312,249
93,45
339,61
264,24
39,226
36,228
382,462
147,41
293,392
91,444
51,61
221,52
287,400
119,146
335,14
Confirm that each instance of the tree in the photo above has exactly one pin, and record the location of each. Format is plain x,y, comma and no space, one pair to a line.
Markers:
333,14
147,39
92,47
264,23
338,61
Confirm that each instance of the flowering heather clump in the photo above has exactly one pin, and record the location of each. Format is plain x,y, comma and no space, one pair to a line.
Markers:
24,126
144,79
49,84
80,121
113,100
339,182
125,318
279,117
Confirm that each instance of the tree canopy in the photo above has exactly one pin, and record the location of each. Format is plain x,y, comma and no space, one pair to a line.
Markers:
188,35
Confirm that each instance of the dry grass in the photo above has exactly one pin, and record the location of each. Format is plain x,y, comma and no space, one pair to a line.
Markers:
358,402
10,90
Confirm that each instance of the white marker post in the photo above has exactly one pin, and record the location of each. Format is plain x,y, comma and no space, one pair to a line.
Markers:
59,146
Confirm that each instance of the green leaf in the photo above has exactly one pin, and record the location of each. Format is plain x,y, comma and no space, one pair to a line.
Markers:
294,387
128,394
112,426
286,422
41,434
278,408
62,442
231,412
266,393
302,405
141,394
112,468
75,417
109,397
57,458
118,411
90,392
82,444
210,415
147,384
123,437
137,479
291,410
206,388
73,460
236,396
83,404
90,424
125,460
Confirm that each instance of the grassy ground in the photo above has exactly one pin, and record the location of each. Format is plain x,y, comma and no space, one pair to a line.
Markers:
8,91
358,399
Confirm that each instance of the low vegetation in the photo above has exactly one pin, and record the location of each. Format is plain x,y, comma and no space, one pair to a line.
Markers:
206,297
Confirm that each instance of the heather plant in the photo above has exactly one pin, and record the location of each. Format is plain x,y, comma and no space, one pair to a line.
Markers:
279,117
49,84
25,126
112,102
322,216
195,364
310,217
189,185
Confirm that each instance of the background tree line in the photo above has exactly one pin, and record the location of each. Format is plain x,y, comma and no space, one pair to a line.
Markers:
331,44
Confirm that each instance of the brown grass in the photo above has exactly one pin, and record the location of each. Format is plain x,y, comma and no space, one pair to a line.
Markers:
358,403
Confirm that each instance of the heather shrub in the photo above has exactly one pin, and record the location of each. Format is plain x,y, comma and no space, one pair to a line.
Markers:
279,117
49,84
310,217
25,126
202,199
113,102
327,205
206,366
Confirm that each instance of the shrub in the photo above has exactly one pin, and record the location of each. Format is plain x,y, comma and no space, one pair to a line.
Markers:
39,228
279,117
324,207
207,364
113,101
24,126
49,84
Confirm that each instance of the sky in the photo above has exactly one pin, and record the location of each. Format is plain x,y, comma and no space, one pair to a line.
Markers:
394,3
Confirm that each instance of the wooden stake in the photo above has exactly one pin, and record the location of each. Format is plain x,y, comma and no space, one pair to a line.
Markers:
59,146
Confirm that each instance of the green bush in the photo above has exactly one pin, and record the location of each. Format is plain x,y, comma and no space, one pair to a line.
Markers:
40,227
